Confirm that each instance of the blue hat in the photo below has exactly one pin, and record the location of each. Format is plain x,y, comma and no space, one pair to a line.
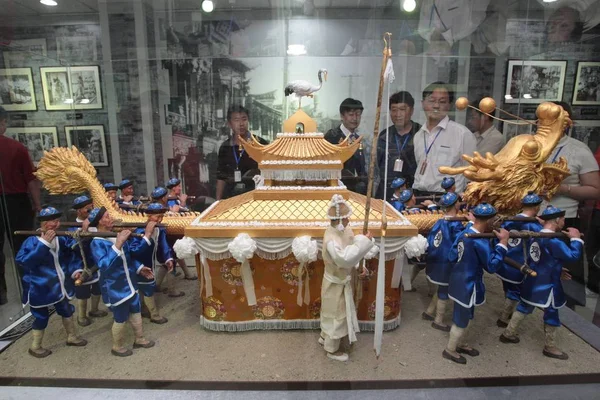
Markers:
125,183
552,212
158,192
81,202
484,210
398,182
447,183
110,186
155,208
48,214
448,199
406,195
531,199
173,182
95,215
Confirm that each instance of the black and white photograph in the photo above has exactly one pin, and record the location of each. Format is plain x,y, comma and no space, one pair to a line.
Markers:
587,84
89,139
20,52
585,131
515,127
16,90
533,82
71,88
81,49
36,139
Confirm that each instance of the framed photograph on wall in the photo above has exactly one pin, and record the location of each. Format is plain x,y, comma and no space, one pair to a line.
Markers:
76,49
20,52
16,90
36,139
90,140
587,84
533,82
71,88
510,130
586,131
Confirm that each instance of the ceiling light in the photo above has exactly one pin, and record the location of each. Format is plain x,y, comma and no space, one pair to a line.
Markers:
68,101
527,96
296,50
508,97
50,3
409,5
549,1
208,6
85,101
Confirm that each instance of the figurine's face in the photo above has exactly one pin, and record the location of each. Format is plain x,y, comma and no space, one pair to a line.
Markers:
401,114
51,225
128,191
351,119
162,200
84,212
155,218
176,190
106,221
112,194
345,222
561,223
437,105
239,123
412,202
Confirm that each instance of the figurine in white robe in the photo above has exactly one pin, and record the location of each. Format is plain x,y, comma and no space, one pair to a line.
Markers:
342,253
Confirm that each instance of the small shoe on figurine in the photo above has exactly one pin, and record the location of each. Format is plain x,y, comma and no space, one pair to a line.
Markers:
80,343
509,339
560,356
443,328
427,317
84,322
146,345
125,353
338,356
501,324
160,321
98,313
41,353
177,294
145,313
460,359
468,351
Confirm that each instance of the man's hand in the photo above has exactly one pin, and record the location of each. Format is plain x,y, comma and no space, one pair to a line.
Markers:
369,235
49,235
77,276
175,208
364,273
146,273
573,233
541,221
428,203
565,275
149,229
471,217
122,238
502,236
127,199
182,198
169,264
85,225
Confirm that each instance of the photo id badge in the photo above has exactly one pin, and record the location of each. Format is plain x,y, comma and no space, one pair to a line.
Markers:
423,167
398,165
237,176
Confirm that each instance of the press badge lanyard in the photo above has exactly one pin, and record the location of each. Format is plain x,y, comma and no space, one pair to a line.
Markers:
237,175
399,164
557,153
427,150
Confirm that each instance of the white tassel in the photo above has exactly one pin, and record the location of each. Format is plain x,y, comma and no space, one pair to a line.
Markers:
416,246
185,247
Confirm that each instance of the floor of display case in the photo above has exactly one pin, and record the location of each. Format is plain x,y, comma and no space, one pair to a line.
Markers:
184,352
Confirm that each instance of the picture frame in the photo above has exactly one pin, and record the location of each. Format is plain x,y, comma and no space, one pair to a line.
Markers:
510,130
17,92
91,141
71,88
586,91
35,139
533,81
586,131
21,51
76,49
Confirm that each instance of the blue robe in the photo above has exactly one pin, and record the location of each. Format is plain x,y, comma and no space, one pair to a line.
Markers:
546,257
118,271
78,262
515,250
176,202
47,273
161,252
440,239
469,258
396,203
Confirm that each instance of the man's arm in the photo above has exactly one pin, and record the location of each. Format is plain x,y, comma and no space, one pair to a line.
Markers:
589,189
222,171
33,185
34,190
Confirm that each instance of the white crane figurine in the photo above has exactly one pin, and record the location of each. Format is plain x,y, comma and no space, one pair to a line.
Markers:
305,88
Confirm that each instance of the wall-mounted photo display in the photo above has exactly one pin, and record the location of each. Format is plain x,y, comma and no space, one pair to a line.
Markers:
90,140
586,131
510,130
19,52
533,82
37,139
587,84
16,90
71,88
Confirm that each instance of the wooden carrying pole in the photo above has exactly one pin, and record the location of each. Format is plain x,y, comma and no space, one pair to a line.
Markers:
78,233
117,225
519,235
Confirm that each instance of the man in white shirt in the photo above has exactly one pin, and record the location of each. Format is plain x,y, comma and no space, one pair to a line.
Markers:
440,142
489,139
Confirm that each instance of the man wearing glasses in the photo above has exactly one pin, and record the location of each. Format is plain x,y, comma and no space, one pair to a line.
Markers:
439,142
354,174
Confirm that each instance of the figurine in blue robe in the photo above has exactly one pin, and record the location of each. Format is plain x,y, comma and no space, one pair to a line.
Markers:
126,197
90,288
111,191
118,278
398,185
161,254
48,276
469,258
512,277
547,257
176,200
440,239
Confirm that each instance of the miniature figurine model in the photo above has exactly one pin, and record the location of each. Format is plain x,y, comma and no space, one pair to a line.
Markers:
545,291
405,201
126,196
342,252
48,280
448,184
398,185
118,278
470,257
517,250
111,190
176,200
